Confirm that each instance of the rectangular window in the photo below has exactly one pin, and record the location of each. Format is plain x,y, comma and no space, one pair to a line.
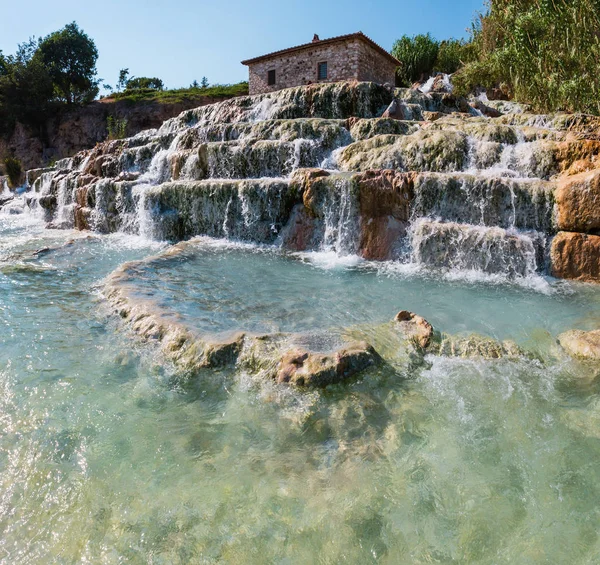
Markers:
271,78
322,73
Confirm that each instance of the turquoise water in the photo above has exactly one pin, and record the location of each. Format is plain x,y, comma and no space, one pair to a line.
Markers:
106,457
218,287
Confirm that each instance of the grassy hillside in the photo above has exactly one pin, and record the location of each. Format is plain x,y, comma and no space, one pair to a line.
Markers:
180,95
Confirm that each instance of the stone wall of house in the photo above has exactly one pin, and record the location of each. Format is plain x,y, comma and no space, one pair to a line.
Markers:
373,66
346,60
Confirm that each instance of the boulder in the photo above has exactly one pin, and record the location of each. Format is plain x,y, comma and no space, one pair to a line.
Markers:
397,110
82,218
415,328
578,202
300,367
576,256
433,116
441,84
584,345
485,109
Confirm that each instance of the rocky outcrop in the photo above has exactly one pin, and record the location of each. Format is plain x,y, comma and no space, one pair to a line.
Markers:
316,168
465,247
417,329
474,346
576,256
580,344
280,357
385,198
304,368
77,129
578,203
366,213
425,150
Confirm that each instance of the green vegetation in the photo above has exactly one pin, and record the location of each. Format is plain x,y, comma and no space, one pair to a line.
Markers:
14,171
70,56
144,83
543,52
46,74
181,94
422,55
116,127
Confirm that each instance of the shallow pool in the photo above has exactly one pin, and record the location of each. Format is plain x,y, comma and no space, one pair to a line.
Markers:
106,457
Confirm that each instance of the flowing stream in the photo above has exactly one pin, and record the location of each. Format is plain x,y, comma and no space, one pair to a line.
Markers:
110,454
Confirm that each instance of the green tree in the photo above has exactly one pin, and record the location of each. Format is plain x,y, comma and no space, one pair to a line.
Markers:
204,82
451,55
144,83
70,57
123,78
26,88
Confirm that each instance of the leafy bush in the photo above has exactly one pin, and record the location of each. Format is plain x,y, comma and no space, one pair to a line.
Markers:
116,127
423,55
417,55
14,171
544,52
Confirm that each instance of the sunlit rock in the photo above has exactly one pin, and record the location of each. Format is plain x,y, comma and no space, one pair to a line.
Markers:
576,256
585,345
578,203
417,329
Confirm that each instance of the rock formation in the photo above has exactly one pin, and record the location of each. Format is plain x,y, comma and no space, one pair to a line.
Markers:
316,168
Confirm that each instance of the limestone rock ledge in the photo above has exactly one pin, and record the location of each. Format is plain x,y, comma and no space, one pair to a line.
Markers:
578,203
280,357
576,256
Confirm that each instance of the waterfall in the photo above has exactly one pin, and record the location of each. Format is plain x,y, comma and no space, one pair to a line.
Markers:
340,209
460,247
447,190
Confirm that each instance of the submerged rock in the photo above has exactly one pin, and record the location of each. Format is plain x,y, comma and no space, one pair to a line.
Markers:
285,358
584,345
474,346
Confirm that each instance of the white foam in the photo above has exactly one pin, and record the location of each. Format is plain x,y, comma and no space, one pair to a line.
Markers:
329,259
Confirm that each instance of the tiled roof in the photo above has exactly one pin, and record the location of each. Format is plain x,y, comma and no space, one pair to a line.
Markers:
320,43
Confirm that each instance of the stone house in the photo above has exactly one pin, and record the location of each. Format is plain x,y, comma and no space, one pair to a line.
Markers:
347,57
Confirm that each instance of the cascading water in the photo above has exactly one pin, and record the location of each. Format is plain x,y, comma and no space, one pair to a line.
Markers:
476,172
480,446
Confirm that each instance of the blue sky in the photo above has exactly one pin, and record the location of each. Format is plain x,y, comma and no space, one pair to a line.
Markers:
182,40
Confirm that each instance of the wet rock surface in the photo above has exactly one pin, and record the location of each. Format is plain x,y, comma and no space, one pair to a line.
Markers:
584,345
417,175
576,256
578,203
416,328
